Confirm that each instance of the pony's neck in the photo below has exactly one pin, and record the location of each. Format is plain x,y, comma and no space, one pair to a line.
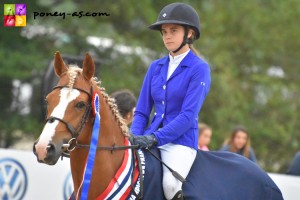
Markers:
106,162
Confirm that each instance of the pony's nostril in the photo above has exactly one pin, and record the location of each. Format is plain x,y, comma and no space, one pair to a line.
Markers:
33,148
50,147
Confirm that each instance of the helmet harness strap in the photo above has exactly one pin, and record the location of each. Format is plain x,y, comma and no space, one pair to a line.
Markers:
185,39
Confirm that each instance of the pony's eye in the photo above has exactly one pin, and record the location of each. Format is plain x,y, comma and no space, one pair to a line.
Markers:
80,104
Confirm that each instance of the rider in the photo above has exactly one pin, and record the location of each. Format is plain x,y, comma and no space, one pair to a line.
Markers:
175,86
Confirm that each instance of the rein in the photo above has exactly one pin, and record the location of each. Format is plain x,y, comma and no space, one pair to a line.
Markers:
87,146
109,148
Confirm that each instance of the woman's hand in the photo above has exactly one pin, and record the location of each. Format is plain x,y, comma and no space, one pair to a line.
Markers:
145,141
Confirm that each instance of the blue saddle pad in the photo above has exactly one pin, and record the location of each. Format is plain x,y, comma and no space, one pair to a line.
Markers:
215,175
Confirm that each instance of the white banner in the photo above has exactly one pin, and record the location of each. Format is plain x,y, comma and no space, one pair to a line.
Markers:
289,185
23,178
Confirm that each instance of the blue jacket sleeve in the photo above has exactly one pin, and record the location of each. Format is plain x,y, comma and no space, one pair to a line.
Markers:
197,90
143,107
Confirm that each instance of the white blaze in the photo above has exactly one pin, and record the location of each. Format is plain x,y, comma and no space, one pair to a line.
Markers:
66,96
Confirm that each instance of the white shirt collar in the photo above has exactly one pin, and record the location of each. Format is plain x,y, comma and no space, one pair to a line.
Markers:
177,59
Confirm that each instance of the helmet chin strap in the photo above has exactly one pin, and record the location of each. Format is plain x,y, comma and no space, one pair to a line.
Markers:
185,40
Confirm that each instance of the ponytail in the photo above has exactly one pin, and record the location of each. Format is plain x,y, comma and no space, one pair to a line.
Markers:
195,51
191,40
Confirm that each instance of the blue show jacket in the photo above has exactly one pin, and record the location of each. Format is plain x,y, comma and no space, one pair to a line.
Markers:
177,101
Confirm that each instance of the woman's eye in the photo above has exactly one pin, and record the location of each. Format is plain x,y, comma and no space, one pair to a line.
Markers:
80,104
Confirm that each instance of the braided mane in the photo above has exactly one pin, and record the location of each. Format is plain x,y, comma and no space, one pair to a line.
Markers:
73,71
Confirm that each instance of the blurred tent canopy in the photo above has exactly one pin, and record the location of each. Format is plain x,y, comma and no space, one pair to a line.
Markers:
252,47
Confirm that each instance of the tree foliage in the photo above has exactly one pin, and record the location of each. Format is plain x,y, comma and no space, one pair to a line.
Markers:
251,46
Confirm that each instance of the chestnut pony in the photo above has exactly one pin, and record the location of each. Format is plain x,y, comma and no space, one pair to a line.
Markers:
69,121
69,124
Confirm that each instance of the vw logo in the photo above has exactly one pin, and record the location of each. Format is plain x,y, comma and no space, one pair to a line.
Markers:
68,186
13,180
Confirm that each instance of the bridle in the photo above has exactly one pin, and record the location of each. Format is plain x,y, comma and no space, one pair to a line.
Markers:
73,143
74,132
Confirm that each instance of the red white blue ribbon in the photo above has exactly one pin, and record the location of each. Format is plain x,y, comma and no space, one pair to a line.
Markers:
120,186
93,148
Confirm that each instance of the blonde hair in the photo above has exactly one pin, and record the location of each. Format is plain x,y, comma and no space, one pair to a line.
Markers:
202,127
195,51
192,39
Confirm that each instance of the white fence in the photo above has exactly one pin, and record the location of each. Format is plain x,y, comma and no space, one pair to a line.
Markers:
289,185
23,178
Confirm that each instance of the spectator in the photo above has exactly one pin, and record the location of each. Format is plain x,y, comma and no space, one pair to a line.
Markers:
126,102
294,168
205,133
239,143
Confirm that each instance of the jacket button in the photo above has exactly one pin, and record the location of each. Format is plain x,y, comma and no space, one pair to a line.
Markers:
164,87
163,102
162,116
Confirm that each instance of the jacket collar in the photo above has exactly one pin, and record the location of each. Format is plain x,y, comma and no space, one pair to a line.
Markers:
185,63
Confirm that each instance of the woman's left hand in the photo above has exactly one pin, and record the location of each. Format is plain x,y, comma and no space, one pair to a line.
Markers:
145,141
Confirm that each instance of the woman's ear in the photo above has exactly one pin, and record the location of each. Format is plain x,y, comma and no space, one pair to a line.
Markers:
190,34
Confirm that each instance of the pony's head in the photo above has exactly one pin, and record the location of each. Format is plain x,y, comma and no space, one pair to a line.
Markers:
68,109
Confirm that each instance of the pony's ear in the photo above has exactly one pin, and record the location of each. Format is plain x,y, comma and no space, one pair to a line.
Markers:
59,64
88,67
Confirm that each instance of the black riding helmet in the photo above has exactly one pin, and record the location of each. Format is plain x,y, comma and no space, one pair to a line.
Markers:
182,14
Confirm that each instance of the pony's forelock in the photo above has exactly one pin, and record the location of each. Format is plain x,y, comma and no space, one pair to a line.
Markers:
73,71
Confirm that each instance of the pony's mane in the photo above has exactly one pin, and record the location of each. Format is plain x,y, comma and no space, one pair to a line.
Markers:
73,71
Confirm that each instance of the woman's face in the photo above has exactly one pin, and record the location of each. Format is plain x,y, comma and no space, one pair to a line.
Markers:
172,35
129,117
204,138
240,139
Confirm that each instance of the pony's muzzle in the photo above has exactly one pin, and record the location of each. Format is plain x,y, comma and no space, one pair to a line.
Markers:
46,155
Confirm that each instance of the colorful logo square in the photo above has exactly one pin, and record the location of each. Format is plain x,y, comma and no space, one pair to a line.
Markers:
14,14
20,9
9,9
20,20
9,20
